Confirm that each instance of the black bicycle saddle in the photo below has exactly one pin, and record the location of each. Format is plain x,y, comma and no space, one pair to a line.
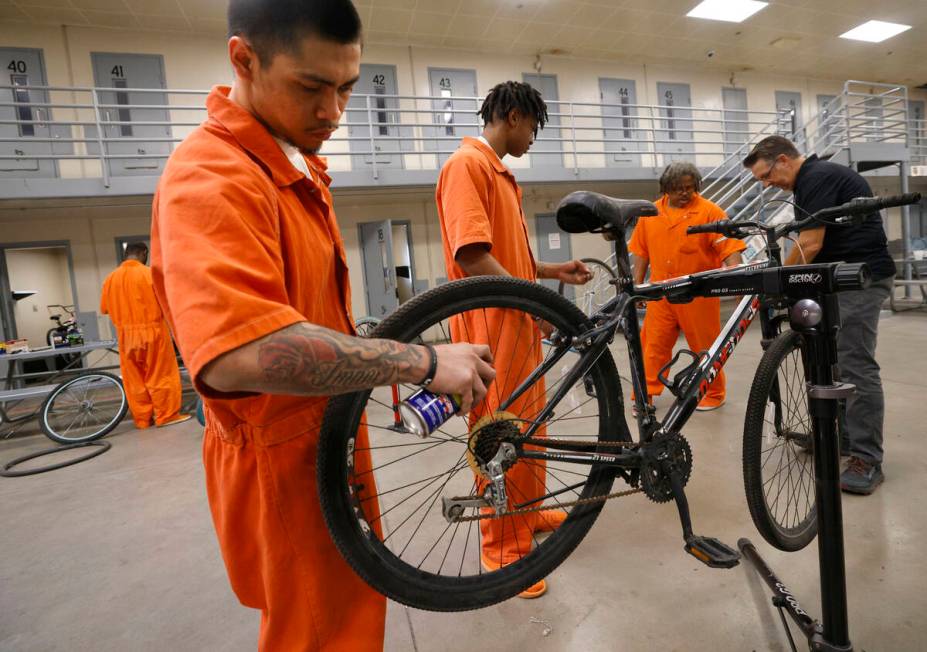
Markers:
592,212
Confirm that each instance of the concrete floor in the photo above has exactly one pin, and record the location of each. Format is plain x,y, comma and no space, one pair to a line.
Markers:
118,553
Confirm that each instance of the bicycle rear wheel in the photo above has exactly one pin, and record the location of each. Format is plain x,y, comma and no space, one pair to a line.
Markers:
84,408
778,448
381,489
598,291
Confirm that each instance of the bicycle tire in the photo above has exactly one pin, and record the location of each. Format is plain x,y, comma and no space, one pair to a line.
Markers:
597,291
82,407
101,446
777,450
361,545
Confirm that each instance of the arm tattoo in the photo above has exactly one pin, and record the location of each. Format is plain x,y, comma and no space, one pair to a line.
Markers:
313,360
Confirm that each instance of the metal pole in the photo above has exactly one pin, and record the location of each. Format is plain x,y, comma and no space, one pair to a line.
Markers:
573,138
821,348
373,151
906,232
100,142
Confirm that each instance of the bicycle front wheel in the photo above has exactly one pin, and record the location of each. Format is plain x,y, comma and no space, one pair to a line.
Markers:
84,408
384,491
778,448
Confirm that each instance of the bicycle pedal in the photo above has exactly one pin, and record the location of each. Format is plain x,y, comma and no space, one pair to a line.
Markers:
712,552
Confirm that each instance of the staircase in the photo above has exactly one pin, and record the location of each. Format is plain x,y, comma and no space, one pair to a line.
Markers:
864,127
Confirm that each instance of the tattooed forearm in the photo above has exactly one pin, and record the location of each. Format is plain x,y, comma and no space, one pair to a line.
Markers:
308,359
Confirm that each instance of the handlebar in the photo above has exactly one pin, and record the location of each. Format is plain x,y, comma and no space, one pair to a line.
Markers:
721,226
865,205
854,207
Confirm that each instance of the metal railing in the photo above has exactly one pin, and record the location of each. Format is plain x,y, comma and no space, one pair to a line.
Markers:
97,132
865,113
105,132
55,131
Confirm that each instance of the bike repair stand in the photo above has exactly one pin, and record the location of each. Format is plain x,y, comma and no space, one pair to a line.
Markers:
819,328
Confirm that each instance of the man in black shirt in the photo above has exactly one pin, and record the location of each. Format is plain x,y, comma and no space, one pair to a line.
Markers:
818,184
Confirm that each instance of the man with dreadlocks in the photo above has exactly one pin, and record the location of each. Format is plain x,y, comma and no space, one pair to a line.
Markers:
661,243
484,232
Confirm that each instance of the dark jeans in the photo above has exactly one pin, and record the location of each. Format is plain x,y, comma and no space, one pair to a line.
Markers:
861,420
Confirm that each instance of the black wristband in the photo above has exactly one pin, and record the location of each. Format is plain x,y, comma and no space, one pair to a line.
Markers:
432,366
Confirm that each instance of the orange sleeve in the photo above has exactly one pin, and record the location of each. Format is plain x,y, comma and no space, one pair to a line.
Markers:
465,204
104,298
219,272
638,243
722,245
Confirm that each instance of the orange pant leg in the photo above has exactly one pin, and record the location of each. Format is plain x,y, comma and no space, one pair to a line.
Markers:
515,342
277,550
658,336
163,375
701,322
132,365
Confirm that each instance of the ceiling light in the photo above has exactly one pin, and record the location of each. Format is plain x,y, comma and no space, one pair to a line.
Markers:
875,31
731,11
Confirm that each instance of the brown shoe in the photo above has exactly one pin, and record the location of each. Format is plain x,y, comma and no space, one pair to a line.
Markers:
180,418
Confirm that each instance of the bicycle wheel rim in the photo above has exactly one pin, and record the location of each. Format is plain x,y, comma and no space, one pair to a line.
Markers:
417,546
84,408
783,460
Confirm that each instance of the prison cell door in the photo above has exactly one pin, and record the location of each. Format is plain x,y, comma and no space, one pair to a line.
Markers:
674,131
619,118
22,67
371,106
454,110
132,117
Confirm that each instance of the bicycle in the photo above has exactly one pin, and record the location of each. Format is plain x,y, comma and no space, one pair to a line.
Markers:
402,509
597,291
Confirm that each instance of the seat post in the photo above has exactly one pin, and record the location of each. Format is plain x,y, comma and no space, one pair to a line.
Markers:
622,261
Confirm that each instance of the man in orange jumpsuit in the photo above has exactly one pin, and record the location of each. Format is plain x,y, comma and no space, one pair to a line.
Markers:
250,267
661,243
484,232
146,352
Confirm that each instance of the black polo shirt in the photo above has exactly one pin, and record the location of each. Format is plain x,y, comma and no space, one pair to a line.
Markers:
822,184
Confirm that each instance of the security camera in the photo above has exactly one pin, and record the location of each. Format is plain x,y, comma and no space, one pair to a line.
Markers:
710,54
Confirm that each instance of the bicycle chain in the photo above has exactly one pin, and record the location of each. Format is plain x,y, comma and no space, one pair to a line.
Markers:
544,508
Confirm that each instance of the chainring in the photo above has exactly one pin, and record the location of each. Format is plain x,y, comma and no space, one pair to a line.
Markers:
655,483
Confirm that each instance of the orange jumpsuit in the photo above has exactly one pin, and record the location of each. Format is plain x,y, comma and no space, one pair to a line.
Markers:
146,353
480,202
243,244
663,241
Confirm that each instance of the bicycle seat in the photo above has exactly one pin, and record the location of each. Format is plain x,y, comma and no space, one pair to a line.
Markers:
592,212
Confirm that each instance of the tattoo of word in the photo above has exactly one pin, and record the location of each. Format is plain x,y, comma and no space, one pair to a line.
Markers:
319,361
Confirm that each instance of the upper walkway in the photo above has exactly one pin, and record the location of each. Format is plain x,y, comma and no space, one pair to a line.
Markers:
82,141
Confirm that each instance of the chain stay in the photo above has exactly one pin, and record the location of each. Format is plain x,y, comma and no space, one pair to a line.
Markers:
543,508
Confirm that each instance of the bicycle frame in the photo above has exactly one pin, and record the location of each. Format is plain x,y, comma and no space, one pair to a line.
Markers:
816,282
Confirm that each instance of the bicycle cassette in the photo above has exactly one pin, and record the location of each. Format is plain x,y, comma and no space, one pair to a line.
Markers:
655,482
487,435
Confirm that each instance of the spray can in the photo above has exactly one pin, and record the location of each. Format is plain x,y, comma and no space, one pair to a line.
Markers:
424,412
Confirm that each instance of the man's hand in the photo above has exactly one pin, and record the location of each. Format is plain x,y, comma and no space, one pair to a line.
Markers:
463,369
574,272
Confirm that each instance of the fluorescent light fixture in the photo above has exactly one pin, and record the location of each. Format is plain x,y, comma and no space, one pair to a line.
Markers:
875,31
731,11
